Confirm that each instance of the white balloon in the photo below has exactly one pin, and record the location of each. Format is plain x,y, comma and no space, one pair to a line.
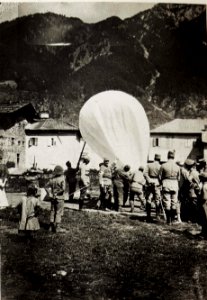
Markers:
114,124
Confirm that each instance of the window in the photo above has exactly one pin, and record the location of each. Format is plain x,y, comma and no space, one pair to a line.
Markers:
18,159
155,142
53,142
12,141
33,142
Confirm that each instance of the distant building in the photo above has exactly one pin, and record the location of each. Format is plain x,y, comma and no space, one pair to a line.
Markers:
51,142
188,137
13,119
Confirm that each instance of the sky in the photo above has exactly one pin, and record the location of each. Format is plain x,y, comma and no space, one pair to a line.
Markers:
87,11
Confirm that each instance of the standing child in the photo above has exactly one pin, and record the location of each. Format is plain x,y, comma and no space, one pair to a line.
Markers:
30,205
3,179
56,191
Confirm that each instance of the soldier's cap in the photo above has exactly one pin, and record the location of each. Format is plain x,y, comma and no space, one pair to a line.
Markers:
202,161
58,170
68,163
171,154
180,163
203,175
157,156
86,158
189,162
127,167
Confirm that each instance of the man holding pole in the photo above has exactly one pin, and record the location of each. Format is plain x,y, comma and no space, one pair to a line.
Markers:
84,182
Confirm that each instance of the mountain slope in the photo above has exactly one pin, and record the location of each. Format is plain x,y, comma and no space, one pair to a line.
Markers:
159,56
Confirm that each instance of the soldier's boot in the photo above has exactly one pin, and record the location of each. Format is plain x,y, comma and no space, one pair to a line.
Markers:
58,229
132,205
158,212
173,214
168,216
52,227
148,211
80,204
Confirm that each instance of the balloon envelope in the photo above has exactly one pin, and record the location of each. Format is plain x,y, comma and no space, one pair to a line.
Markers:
115,126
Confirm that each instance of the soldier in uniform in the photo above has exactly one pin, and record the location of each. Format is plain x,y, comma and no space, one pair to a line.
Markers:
170,175
136,187
193,190
84,172
105,182
126,183
56,189
203,200
120,175
70,176
153,189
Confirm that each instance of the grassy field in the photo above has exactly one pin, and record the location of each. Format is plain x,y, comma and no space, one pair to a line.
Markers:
102,256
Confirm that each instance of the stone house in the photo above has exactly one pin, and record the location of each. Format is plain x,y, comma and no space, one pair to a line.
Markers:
188,137
13,120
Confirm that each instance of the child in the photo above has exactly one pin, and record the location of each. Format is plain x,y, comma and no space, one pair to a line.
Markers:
29,223
56,190
3,199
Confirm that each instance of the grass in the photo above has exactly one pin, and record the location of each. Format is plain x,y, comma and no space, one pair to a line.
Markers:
105,257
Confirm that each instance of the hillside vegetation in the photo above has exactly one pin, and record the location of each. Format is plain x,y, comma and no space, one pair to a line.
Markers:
158,56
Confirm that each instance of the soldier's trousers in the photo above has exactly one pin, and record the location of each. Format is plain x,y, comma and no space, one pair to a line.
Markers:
118,195
170,199
106,196
153,193
140,195
57,210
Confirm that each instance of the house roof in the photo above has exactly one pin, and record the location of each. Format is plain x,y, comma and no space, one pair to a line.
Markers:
51,125
182,126
14,107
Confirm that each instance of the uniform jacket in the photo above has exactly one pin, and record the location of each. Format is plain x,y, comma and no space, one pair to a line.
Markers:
84,171
137,180
56,187
170,175
152,172
105,175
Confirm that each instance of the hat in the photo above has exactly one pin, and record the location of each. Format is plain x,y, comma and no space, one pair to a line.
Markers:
202,161
58,170
106,159
171,154
157,156
127,168
86,158
189,162
68,163
180,163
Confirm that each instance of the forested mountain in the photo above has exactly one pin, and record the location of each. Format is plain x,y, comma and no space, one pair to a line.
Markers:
158,56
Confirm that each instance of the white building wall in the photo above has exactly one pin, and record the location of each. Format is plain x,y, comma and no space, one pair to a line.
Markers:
47,153
182,145
64,148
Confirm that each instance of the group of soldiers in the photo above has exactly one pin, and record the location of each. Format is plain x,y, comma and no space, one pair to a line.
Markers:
178,191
